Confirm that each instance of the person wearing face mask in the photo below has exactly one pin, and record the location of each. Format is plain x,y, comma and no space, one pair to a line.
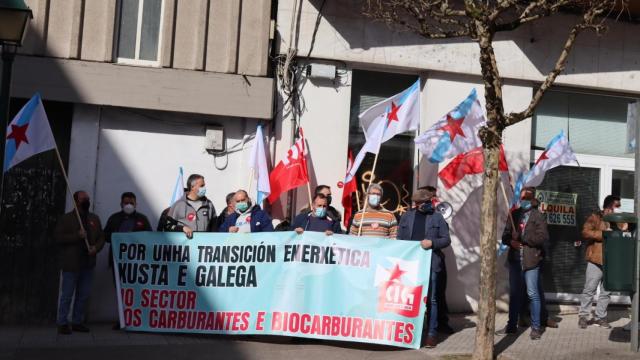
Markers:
332,212
422,223
230,209
526,251
592,233
125,220
77,261
247,218
317,219
194,212
376,221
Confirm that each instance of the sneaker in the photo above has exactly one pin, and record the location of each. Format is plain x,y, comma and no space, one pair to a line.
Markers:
603,323
583,322
79,328
431,342
64,330
535,334
508,330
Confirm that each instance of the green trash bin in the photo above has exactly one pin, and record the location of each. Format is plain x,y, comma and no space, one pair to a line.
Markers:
619,254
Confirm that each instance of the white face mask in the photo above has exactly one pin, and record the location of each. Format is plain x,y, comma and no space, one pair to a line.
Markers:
617,210
374,200
128,209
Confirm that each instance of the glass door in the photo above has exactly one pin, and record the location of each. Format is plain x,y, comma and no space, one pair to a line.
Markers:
592,180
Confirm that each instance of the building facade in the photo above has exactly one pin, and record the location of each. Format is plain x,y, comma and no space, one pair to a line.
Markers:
131,88
589,103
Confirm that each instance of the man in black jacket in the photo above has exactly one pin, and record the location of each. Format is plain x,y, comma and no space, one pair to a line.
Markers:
424,224
526,237
125,220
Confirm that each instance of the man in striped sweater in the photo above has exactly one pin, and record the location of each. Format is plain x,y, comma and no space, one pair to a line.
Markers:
376,221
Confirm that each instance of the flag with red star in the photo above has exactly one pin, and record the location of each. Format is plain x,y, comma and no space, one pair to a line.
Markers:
28,134
455,133
558,152
384,120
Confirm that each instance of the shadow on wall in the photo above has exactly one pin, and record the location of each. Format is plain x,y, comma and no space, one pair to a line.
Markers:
34,196
538,48
463,257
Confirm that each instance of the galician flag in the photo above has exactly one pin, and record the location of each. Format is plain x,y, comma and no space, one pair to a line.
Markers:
384,120
28,134
178,188
258,167
558,152
454,133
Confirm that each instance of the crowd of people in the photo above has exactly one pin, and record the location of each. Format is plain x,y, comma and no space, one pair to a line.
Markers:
525,234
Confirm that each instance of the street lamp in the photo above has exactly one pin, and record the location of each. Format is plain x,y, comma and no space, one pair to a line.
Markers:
14,15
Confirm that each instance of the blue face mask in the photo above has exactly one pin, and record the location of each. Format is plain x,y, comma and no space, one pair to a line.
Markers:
321,212
525,204
202,191
242,206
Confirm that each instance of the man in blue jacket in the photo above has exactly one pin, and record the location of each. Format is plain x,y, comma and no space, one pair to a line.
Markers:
317,219
424,224
246,218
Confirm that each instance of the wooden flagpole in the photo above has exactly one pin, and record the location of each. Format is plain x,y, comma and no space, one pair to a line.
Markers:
75,206
373,175
506,199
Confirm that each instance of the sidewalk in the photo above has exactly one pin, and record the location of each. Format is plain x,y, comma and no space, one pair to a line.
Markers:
566,342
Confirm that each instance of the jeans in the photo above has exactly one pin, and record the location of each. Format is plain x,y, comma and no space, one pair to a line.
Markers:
74,282
518,281
433,305
593,279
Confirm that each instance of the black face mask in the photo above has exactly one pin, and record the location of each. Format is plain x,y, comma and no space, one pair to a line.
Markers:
84,205
426,208
329,200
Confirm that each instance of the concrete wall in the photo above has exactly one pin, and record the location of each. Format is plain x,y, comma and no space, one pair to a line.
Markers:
121,149
195,34
610,62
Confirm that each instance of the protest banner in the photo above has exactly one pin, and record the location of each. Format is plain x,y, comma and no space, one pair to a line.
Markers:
311,285
558,208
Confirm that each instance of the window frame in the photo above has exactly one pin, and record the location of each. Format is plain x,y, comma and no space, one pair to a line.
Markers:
137,61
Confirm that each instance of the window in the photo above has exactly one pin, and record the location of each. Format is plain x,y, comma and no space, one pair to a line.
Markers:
394,169
594,124
139,31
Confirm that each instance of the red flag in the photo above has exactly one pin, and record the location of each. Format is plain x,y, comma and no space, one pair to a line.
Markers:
347,190
290,172
468,163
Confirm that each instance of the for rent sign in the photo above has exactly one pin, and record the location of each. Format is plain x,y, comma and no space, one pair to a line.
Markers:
311,285
558,208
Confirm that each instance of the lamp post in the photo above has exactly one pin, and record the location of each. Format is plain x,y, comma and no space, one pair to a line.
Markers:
14,15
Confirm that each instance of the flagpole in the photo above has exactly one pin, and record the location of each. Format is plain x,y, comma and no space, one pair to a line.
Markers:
309,193
373,175
253,174
75,206
506,200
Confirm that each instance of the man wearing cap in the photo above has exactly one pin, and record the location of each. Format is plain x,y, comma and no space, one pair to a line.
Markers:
422,223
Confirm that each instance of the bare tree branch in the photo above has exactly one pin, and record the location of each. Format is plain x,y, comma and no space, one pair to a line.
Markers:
590,20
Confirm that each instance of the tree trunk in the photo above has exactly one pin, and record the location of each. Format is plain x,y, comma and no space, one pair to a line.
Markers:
487,293
491,136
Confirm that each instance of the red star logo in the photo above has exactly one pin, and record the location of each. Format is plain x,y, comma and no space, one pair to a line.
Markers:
396,273
543,156
19,134
453,127
393,114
